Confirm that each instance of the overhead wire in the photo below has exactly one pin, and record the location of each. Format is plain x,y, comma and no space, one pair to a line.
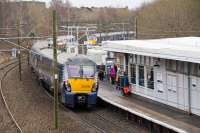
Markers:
168,31
22,47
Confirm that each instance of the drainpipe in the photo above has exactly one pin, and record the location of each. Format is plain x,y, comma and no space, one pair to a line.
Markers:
189,89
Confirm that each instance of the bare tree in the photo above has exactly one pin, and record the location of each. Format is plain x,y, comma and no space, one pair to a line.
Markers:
62,8
167,18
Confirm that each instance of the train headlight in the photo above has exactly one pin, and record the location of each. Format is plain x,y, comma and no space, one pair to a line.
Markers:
94,87
68,86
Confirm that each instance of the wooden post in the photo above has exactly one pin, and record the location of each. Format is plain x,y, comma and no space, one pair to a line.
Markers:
55,72
19,48
28,53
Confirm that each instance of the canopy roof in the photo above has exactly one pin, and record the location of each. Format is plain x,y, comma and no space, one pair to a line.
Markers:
183,48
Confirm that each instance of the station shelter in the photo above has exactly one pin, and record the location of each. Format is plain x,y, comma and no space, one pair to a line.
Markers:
164,70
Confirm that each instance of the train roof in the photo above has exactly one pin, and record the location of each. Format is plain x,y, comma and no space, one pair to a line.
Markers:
80,59
97,54
113,33
41,48
183,48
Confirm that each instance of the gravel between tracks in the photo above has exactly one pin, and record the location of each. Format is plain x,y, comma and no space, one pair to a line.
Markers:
33,109
110,121
6,123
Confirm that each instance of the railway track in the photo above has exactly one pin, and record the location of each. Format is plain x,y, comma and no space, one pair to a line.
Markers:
5,68
97,118
109,121
88,123
32,108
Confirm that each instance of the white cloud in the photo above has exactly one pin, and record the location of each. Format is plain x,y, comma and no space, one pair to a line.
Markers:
114,3
103,3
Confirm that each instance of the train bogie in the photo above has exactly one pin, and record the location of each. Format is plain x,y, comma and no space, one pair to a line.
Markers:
73,99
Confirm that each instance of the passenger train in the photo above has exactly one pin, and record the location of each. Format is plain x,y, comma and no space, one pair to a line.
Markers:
77,74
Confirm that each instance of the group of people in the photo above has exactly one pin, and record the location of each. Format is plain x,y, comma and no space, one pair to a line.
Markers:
116,76
120,78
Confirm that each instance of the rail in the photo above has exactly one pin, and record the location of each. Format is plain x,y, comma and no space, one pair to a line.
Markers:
13,64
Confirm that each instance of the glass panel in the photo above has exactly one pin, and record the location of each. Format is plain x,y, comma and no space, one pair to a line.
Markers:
74,71
180,66
150,78
171,65
194,69
88,71
133,73
141,75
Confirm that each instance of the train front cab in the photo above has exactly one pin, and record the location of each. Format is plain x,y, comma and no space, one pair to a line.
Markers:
80,86
80,92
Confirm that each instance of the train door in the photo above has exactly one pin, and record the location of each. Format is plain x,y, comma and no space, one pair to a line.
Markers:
172,89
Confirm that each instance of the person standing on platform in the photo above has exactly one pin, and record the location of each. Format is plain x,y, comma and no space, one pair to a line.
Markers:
118,73
124,84
112,75
116,67
101,73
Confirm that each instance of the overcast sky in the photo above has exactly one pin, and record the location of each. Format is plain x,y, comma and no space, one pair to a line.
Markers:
102,3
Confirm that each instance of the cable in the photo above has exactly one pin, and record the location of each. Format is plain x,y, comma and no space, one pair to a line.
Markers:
8,28
13,38
157,30
22,47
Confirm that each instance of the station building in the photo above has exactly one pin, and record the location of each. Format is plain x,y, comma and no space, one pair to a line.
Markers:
164,70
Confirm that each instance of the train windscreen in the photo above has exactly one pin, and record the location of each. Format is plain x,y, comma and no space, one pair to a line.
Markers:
88,71
83,71
74,71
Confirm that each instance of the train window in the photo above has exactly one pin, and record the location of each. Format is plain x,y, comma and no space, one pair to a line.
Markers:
88,71
141,75
133,73
74,71
150,78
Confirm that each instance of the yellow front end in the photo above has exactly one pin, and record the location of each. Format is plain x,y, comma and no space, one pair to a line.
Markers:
92,42
81,85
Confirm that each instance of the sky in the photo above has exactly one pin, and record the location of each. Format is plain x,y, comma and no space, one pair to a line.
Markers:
132,4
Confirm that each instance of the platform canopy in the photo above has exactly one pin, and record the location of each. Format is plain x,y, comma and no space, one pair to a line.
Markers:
97,55
182,49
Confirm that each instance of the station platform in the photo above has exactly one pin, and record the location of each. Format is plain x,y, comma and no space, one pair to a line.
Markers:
158,113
